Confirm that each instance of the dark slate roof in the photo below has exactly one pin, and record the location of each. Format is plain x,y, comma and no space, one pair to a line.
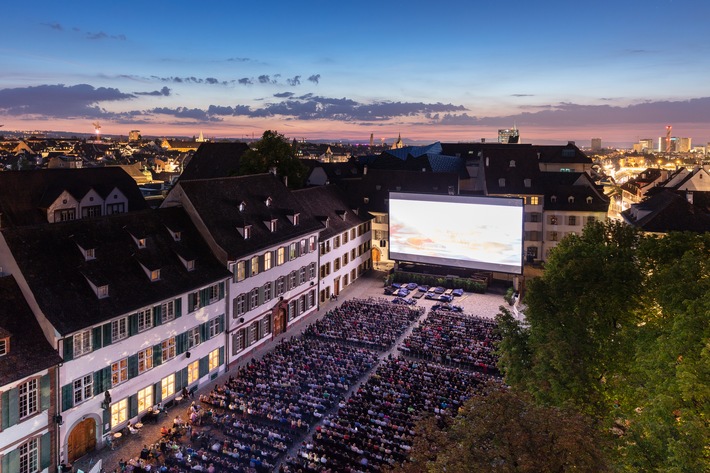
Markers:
29,351
214,160
376,185
414,151
328,201
216,201
56,271
668,212
579,186
25,195
568,153
334,171
515,164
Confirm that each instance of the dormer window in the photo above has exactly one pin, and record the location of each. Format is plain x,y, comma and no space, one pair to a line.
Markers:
511,164
527,182
294,218
268,201
553,199
155,275
176,234
88,253
570,199
245,231
272,224
102,291
140,242
242,206
501,182
589,200
366,200
378,187
4,346
342,214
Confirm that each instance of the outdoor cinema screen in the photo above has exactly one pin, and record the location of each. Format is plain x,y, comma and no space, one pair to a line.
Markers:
484,233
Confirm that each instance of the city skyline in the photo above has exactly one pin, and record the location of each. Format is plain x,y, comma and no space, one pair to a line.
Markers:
620,71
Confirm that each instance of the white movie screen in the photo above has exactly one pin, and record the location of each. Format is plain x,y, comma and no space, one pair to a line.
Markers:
484,233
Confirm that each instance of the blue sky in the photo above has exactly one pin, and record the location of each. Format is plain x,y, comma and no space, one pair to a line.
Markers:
450,70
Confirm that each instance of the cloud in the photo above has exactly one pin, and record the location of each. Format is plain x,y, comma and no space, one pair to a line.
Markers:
265,79
101,35
284,95
165,91
54,26
184,112
522,95
296,80
239,59
315,78
60,101
245,81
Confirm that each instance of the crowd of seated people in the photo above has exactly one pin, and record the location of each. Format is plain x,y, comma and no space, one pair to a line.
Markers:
374,323
375,427
452,337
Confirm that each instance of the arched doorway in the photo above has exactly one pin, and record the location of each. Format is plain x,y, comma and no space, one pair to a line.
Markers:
280,317
376,254
82,439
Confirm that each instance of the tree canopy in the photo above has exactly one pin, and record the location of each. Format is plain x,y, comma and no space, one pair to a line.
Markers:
273,151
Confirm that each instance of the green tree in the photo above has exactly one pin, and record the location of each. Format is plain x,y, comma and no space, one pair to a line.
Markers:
503,430
273,151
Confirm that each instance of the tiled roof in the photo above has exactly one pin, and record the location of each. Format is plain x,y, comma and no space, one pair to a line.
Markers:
51,260
217,201
328,201
29,352
573,191
25,195
213,160
666,212
513,167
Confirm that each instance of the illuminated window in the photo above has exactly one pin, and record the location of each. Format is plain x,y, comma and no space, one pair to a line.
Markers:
145,360
241,271
292,252
3,346
193,337
267,260
254,265
168,349
83,388
119,329
167,312
534,200
280,256
119,412
82,343
193,372
119,372
167,386
145,398
312,244
145,319
214,359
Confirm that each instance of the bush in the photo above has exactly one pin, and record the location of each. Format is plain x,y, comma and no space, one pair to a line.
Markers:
468,285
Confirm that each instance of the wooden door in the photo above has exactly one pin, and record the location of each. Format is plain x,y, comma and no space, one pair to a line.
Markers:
279,320
82,440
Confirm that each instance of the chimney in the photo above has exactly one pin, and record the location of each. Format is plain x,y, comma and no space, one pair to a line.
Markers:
571,143
483,140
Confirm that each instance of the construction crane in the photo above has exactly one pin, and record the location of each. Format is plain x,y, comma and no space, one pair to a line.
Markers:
668,138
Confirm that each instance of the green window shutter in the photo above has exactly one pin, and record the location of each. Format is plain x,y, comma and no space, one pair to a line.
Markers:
221,287
183,377
96,338
45,451
220,327
132,366
157,315
178,307
106,379
67,397
221,356
204,297
191,301
132,324
157,354
106,417
11,461
204,366
5,410
107,334
68,348
261,263
158,393
204,332
178,381
44,392
14,406
133,405
261,295
181,343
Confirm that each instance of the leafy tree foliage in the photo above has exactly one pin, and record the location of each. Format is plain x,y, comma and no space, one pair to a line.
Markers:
273,151
506,431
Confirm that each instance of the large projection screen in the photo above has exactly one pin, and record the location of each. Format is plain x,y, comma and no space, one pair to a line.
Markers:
474,232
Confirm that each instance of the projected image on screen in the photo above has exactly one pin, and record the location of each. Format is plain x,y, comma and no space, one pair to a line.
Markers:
483,233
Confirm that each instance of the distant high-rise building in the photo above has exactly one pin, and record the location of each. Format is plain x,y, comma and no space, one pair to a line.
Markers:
509,135
134,135
684,145
596,144
645,145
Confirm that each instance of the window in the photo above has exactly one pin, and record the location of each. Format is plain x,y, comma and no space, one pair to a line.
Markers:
312,244
240,304
311,298
145,398
553,220
168,349
254,265
193,337
535,217
293,278
534,200
253,298
302,304
296,218
119,372
91,211
64,215
571,220
140,242
292,252
254,332
311,271
167,386
304,247
241,271
214,359
145,360
193,372
29,456
268,256
336,264
83,388
553,236
167,312
246,232
266,325
214,293
119,329
570,199
280,283
155,275
336,242
82,343
589,199
591,219
119,412
345,237
117,208
280,256
239,341
345,259
3,346
268,292
89,254
102,292
213,327
302,275
352,234
145,319
272,225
